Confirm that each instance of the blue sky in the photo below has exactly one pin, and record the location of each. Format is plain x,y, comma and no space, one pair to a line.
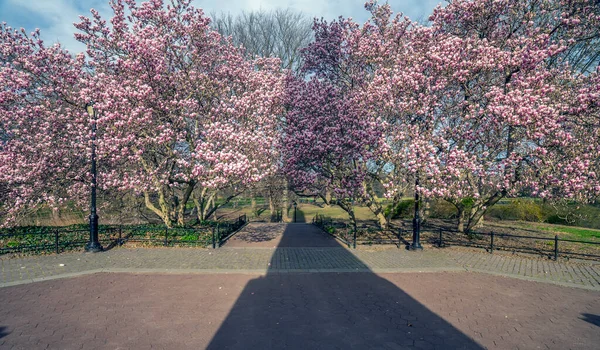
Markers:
55,17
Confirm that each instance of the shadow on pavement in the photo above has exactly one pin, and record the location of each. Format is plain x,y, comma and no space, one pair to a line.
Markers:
267,233
3,332
300,217
331,310
593,319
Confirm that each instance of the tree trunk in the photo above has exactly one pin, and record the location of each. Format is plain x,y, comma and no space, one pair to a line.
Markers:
209,207
183,203
374,206
253,204
348,208
285,202
476,218
327,198
164,207
272,208
199,203
426,210
461,218
163,212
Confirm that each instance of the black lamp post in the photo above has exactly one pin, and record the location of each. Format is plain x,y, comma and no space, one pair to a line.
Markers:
295,206
416,243
93,245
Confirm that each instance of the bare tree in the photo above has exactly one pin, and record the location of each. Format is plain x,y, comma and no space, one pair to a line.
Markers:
277,33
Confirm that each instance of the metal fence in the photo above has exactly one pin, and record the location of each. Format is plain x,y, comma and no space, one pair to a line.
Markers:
551,246
345,234
225,230
58,240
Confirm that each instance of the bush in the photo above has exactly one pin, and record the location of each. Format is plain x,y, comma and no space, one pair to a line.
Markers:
556,220
404,209
441,209
518,209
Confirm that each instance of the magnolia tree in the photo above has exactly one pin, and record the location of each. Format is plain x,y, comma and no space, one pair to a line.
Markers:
44,131
508,119
182,114
325,143
481,105
340,143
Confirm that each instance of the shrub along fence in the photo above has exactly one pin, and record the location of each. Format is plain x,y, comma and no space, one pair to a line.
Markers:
61,239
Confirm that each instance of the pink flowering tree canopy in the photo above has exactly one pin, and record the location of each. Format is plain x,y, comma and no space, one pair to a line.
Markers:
182,113
481,105
330,146
44,133
491,99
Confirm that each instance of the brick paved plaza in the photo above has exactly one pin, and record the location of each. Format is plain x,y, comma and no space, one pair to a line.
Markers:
292,286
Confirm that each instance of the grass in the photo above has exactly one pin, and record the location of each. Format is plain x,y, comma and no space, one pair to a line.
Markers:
573,232
335,212
565,232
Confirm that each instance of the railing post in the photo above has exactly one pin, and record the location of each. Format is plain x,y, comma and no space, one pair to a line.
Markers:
555,247
56,241
492,244
166,234
440,242
214,243
399,237
218,241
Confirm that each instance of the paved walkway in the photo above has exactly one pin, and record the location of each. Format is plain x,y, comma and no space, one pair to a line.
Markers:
321,254
251,295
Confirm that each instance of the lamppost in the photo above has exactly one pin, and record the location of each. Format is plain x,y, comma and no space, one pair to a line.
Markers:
416,244
93,245
295,206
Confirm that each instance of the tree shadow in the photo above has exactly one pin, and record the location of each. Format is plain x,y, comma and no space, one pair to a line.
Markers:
3,332
292,307
590,318
300,217
265,233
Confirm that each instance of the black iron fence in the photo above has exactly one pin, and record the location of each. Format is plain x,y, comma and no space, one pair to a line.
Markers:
362,236
226,229
553,247
60,239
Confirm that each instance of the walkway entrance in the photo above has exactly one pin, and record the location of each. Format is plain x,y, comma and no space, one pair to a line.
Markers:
281,235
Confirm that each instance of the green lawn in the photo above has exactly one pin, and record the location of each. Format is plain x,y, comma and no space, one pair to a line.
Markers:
575,232
334,212
565,232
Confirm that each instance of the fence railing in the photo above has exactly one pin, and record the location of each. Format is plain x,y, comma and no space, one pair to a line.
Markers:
58,240
553,247
226,229
347,235
502,241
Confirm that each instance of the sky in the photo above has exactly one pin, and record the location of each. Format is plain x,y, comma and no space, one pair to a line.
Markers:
55,18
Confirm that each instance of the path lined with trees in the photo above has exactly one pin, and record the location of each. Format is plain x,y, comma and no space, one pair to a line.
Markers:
489,99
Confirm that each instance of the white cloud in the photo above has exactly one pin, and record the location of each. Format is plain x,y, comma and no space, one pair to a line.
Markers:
55,17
